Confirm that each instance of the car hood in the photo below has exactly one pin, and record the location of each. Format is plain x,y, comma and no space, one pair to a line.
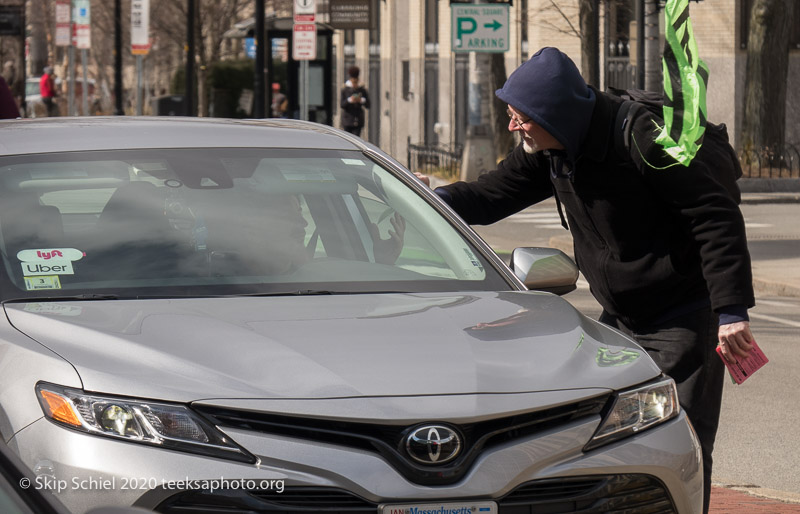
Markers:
311,347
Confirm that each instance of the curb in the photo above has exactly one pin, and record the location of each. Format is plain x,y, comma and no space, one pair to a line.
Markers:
764,198
758,492
772,288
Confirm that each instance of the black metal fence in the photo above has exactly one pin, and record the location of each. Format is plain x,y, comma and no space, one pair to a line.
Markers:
441,160
771,163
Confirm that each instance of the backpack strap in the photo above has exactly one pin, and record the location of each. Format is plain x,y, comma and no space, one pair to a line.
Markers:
623,124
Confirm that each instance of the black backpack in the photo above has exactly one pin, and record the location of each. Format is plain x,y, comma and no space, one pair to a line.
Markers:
716,151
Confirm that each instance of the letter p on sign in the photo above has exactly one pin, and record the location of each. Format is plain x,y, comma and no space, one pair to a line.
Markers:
465,26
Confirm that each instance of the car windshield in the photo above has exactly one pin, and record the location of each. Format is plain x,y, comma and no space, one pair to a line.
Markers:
222,221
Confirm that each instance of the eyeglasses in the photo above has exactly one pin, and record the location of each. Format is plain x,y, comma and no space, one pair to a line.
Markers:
518,122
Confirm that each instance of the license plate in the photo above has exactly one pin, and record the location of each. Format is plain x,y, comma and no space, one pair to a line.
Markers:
439,508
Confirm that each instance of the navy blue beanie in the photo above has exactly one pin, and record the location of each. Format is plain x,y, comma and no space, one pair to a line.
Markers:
549,89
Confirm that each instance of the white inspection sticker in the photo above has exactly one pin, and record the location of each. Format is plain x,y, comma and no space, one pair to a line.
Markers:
354,162
43,282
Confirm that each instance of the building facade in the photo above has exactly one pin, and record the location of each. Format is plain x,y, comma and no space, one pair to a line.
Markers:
419,86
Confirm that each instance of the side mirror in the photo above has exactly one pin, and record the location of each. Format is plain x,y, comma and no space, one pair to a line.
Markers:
545,269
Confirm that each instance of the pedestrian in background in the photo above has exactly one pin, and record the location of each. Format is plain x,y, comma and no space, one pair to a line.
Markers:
662,245
14,82
47,88
354,99
280,102
8,105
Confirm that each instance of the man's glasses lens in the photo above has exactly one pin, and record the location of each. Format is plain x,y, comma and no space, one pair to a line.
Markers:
519,123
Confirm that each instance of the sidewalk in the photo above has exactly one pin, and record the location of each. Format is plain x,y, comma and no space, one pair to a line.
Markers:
734,500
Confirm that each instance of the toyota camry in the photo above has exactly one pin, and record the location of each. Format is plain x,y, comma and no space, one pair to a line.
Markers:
275,316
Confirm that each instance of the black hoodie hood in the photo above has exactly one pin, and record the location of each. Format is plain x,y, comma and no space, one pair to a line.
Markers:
549,89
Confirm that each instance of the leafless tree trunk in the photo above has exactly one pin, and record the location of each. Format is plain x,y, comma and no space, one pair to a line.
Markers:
503,139
767,68
588,12
37,15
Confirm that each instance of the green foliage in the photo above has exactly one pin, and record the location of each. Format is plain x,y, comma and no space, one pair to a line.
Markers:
226,80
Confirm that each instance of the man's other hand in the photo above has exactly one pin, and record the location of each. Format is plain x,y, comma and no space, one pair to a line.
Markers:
734,340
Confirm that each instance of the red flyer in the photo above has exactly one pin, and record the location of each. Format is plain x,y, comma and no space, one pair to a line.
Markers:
744,367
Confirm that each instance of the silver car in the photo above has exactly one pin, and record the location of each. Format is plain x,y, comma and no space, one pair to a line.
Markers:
275,316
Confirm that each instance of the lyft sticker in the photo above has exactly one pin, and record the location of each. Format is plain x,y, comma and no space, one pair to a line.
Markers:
50,254
37,283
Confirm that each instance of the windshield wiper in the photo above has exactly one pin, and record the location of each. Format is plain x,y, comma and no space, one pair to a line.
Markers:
298,292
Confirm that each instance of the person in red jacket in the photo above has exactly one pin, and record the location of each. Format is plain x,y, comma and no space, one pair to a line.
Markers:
47,88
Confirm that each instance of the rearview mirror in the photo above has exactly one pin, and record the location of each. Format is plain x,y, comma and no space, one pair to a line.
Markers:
545,269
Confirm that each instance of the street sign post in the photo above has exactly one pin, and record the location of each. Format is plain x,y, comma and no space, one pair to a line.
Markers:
140,27
304,42
63,23
304,45
480,27
83,31
140,42
305,11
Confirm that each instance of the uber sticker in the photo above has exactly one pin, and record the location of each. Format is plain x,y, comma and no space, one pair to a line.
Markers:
45,282
50,254
60,267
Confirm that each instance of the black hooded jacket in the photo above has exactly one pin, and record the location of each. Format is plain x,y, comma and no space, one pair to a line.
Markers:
649,241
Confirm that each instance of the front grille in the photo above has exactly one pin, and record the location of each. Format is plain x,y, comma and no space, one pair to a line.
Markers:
388,440
642,494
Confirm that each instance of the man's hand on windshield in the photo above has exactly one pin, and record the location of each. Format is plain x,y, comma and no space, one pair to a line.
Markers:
387,251
424,178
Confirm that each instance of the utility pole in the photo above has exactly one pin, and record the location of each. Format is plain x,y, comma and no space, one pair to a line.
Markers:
259,105
118,110
38,42
479,149
640,53
652,47
190,53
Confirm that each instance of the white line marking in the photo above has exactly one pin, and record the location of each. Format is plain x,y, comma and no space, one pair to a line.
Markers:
775,319
534,215
774,303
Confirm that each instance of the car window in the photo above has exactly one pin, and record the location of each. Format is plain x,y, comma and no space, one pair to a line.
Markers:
223,221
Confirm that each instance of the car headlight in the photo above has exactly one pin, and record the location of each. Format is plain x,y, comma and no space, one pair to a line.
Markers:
165,425
637,409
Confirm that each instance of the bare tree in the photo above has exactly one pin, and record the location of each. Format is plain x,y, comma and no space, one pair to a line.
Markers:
764,121
588,13
558,16
503,140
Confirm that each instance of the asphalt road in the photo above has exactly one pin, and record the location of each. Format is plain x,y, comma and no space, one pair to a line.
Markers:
758,444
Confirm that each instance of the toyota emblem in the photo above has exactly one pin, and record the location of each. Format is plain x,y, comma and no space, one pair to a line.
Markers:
433,444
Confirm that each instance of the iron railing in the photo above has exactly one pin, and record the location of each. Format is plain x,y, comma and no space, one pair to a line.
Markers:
771,163
435,159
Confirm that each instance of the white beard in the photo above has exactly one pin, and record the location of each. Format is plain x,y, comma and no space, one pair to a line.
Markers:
530,148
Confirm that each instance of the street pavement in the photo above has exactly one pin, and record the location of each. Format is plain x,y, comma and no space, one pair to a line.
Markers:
773,277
